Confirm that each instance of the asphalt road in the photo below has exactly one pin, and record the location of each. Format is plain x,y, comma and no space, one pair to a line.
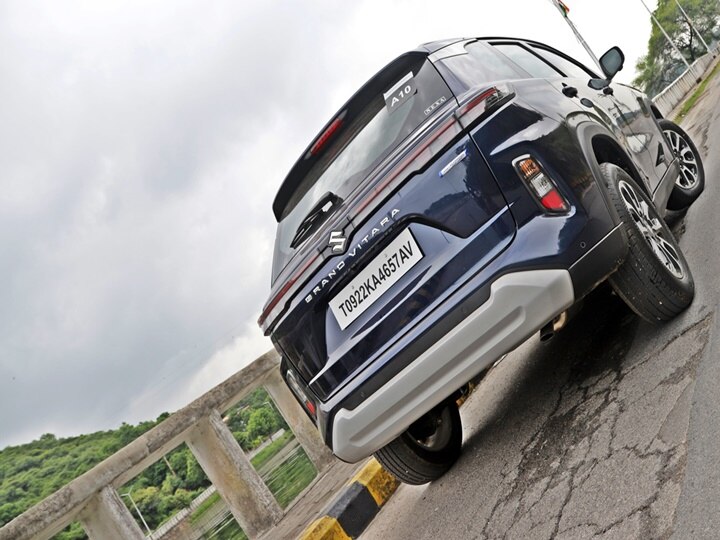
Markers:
609,430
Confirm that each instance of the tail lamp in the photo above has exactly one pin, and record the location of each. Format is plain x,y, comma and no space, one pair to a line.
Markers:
541,185
297,389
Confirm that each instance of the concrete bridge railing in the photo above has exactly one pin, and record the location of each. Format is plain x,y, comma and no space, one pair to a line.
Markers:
93,500
671,97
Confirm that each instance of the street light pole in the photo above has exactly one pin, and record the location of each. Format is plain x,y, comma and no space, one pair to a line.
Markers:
129,495
563,9
670,41
169,466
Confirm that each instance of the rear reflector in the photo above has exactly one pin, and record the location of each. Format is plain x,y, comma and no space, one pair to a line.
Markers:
310,406
540,185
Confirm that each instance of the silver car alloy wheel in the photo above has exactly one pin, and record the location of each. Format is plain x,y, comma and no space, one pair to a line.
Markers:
688,177
652,230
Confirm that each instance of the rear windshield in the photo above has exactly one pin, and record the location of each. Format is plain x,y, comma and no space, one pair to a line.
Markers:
383,113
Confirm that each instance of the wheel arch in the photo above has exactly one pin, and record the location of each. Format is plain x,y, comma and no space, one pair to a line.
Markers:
599,145
607,150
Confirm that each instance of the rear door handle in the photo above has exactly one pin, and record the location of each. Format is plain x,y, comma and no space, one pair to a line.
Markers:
570,91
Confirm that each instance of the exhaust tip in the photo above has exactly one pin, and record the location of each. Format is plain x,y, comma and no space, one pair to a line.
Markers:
547,332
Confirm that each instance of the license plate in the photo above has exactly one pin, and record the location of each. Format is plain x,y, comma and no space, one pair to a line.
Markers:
383,272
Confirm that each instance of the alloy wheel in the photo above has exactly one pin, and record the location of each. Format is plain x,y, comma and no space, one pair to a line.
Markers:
652,230
689,174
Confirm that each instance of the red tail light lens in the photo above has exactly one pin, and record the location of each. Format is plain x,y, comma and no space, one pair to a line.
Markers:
554,202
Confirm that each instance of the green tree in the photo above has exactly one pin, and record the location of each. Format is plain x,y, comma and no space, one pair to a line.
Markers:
262,423
662,65
195,475
149,501
48,438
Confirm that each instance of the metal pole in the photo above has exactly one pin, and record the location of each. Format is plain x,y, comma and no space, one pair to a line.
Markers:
692,26
577,34
670,41
169,466
129,495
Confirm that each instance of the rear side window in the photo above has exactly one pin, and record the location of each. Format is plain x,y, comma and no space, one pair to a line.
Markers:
480,65
568,68
373,123
535,66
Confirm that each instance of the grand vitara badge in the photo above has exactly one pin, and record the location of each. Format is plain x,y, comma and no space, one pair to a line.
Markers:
403,90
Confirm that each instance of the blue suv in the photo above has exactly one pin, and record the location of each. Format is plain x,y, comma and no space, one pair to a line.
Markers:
466,197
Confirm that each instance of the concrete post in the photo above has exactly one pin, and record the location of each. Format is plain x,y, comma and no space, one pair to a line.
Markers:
305,431
107,517
232,474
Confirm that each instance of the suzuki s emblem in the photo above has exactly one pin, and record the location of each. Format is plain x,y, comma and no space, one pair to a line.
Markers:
337,241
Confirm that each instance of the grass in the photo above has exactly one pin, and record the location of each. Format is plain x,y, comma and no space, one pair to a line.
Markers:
690,102
264,455
204,507
290,478
228,530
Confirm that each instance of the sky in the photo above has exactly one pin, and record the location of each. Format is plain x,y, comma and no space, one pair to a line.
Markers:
141,146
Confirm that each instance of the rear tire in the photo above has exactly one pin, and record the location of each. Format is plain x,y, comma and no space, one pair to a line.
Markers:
427,449
691,181
655,280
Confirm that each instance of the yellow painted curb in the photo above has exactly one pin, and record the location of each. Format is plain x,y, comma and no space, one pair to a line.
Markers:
380,483
325,528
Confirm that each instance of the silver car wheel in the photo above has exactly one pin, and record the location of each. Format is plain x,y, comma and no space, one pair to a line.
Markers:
689,176
650,227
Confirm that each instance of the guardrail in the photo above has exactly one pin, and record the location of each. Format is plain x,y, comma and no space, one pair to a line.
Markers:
671,97
92,498
182,515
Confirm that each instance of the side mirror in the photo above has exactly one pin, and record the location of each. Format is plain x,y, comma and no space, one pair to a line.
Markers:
612,62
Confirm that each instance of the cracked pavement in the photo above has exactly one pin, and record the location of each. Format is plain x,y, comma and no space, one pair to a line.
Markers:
608,430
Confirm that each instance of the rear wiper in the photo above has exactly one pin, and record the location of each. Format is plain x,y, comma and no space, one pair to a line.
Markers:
319,213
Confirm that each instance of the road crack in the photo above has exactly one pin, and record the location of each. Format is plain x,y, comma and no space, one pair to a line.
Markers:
567,458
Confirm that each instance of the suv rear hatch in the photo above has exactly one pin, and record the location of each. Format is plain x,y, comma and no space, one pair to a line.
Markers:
385,215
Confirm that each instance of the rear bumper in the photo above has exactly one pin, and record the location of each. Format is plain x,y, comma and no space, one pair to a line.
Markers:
520,303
